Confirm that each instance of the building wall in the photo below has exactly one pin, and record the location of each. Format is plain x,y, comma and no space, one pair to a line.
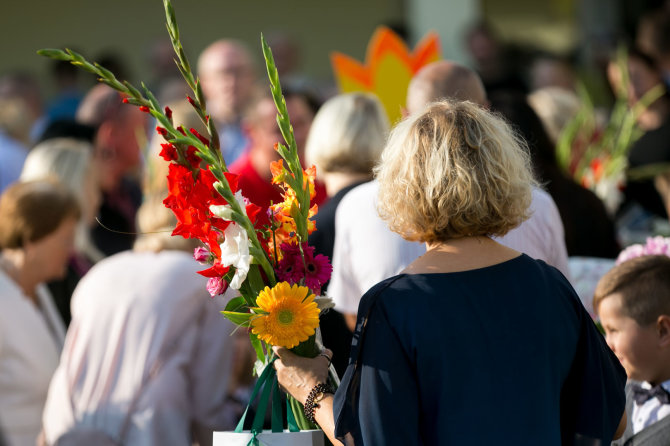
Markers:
129,26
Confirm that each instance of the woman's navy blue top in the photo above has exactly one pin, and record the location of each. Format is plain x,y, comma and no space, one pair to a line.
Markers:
504,354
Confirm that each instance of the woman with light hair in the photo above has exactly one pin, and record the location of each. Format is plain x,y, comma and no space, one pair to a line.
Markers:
472,334
345,141
68,161
147,357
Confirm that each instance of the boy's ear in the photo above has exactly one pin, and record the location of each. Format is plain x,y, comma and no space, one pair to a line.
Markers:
663,327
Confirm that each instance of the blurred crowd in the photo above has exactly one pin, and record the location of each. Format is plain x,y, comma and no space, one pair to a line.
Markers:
103,321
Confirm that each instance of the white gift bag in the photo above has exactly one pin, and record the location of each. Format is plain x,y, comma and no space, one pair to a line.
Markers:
269,438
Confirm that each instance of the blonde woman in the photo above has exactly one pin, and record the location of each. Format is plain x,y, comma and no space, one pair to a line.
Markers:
344,143
68,161
474,342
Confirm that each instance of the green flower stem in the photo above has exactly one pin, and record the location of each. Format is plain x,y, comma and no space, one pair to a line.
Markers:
289,152
193,83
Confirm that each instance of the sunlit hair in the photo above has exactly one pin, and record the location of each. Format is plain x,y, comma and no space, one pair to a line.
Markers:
68,161
32,210
454,170
643,284
347,134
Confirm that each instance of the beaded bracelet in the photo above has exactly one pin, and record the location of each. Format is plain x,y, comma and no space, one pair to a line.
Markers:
318,391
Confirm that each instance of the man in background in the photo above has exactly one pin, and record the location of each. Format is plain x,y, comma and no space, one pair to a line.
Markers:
227,74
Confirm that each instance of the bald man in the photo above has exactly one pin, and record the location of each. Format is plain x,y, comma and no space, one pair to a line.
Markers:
367,252
444,80
227,75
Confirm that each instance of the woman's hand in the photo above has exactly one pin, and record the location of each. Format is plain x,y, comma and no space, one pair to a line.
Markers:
298,375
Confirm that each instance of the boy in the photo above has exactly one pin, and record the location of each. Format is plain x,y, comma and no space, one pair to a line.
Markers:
633,303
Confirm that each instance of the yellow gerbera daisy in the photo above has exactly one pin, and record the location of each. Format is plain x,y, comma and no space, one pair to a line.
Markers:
289,315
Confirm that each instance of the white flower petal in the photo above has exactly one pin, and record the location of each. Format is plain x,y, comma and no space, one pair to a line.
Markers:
222,211
235,252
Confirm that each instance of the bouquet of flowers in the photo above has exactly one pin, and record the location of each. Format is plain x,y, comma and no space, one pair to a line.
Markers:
275,272
595,153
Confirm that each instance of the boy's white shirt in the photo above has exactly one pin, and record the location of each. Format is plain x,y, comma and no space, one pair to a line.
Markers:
651,411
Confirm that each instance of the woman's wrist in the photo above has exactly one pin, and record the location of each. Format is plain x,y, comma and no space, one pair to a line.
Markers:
313,401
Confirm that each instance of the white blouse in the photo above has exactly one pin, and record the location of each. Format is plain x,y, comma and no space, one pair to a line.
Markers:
31,339
129,311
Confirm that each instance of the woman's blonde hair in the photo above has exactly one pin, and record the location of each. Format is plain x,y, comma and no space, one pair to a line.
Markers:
451,171
348,134
69,161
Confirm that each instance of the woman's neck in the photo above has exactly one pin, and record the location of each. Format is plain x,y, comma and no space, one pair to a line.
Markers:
461,254
13,263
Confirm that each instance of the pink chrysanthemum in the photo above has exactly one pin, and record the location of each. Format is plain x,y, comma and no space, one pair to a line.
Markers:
315,271
659,246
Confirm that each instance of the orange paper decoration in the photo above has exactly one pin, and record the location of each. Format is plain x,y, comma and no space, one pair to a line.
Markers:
389,66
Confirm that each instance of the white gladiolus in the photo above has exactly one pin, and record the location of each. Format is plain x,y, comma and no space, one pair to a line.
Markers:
225,212
235,252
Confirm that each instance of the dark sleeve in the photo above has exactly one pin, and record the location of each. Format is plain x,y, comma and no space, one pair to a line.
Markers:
593,398
377,402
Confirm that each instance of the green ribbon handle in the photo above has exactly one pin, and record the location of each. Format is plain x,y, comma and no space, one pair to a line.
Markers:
269,370
267,381
290,418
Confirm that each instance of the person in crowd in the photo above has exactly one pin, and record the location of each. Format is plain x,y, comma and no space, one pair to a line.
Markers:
551,70
556,107
653,38
434,344
344,143
362,235
653,146
633,302
253,166
64,104
589,231
147,355
38,220
116,157
13,139
24,86
70,162
497,63
227,73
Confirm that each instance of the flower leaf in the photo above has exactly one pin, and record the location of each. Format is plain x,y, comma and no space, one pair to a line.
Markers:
236,318
235,304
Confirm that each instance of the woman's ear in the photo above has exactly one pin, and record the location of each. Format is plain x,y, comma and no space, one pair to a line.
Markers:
663,329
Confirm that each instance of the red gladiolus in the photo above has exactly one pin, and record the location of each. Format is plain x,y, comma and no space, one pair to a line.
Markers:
202,139
125,100
191,101
191,157
144,108
168,152
162,131
168,112
190,194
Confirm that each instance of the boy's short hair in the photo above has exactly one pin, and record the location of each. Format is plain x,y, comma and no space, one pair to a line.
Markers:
644,286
